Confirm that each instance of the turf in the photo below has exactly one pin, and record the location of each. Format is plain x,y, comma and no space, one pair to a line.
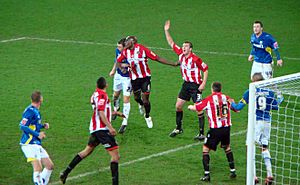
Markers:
66,75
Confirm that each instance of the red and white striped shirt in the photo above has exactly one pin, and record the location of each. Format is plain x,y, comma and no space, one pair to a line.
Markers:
100,102
190,66
217,109
137,58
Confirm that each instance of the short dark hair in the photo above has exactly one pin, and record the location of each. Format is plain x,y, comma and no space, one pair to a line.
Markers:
259,22
190,43
122,41
257,77
36,96
133,38
101,83
216,87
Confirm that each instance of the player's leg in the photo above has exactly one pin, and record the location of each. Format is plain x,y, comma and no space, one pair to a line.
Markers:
146,89
197,97
179,116
37,170
267,71
136,88
31,152
183,96
93,142
48,166
114,166
205,162
225,144
112,148
116,103
126,83
265,152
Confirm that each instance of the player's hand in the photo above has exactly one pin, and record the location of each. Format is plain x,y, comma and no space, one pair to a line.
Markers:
112,73
46,126
112,132
167,25
279,62
201,87
231,100
250,58
42,135
120,114
192,107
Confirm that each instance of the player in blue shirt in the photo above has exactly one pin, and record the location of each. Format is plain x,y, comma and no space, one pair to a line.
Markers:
265,103
122,82
31,140
262,45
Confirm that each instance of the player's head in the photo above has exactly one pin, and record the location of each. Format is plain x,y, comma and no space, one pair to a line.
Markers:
257,27
101,83
216,87
257,77
121,44
187,47
130,41
37,98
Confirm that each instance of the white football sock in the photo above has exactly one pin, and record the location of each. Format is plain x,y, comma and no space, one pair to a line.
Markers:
45,175
126,109
37,178
267,158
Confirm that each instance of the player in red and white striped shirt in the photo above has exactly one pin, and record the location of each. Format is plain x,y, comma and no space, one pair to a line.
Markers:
217,107
101,132
191,66
137,56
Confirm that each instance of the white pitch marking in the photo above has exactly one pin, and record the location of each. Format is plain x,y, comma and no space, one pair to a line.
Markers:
12,40
158,48
141,159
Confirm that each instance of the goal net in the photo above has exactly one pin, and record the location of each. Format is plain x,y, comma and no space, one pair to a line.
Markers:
274,105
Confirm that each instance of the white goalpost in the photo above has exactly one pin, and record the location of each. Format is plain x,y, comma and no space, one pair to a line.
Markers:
284,141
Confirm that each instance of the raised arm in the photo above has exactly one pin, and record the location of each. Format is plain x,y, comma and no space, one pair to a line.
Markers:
167,33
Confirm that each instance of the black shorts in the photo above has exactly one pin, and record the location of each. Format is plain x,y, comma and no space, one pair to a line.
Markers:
141,84
190,90
217,135
103,137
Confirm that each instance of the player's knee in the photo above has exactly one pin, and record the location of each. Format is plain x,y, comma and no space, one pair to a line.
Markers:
226,148
178,107
50,166
126,99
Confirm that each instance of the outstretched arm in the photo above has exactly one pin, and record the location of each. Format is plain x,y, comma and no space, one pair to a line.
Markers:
167,33
166,62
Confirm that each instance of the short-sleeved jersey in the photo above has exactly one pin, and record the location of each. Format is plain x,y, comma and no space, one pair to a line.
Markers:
262,47
137,59
123,71
190,66
100,102
265,102
217,109
31,119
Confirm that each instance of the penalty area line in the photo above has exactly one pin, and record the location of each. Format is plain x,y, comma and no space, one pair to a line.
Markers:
140,159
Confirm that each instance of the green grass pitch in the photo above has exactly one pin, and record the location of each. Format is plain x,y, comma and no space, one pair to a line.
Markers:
66,72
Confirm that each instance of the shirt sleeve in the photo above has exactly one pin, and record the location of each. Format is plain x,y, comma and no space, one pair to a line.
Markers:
102,99
201,64
202,105
177,49
245,98
150,54
273,42
120,57
24,123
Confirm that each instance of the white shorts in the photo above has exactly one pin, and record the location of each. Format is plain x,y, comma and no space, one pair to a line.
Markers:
265,69
122,84
262,132
34,152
